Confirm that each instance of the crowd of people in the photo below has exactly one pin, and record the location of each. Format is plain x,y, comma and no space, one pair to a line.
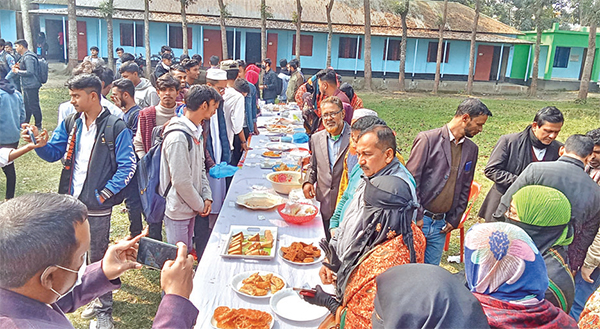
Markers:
532,264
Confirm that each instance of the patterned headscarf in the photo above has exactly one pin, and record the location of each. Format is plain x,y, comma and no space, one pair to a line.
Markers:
502,261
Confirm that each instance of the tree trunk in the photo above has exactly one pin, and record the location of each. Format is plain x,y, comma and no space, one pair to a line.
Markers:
224,50
403,43
109,35
367,70
473,49
329,8
263,30
147,37
26,24
536,62
184,27
72,35
440,50
589,63
298,27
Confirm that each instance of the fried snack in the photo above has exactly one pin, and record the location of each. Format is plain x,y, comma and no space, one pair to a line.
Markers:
228,318
268,235
272,154
300,252
260,285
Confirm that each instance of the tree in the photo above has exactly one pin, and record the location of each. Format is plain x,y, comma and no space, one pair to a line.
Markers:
298,27
184,31
26,23
367,71
106,9
543,18
71,11
147,37
440,52
329,8
265,13
592,10
224,14
473,48
402,10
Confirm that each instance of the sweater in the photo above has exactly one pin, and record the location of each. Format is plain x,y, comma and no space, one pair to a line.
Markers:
149,118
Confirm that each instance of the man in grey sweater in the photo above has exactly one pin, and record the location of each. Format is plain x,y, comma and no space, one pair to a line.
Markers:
26,69
182,172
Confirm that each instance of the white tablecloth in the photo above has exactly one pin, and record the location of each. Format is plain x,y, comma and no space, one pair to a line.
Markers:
211,281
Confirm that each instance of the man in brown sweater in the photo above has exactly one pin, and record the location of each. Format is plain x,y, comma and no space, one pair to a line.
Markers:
442,161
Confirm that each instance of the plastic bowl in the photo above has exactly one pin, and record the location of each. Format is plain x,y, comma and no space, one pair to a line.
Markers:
285,181
297,219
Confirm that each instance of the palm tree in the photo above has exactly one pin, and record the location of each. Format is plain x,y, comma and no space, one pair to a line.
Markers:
106,9
184,32
329,8
367,71
438,64
472,51
298,27
147,37
402,9
73,60
223,15
26,23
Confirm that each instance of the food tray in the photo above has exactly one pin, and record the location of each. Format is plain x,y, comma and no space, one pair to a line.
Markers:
259,200
248,231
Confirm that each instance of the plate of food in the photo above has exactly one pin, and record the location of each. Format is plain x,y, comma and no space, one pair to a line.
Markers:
286,167
257,284
289,305
300,253
279,128
251,242
272,154
226,318
280,146
259,200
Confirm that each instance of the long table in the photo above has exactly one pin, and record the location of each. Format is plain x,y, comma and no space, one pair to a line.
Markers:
211,281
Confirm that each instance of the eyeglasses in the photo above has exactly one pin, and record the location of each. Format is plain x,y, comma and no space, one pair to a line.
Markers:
331,115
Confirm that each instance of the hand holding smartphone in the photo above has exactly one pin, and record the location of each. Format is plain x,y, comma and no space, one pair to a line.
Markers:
31,135
155,253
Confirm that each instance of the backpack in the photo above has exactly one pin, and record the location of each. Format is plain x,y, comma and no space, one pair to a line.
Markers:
153,202
278,85
41,72
3,63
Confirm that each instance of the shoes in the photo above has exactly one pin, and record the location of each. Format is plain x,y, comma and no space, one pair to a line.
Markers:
104,321
90,310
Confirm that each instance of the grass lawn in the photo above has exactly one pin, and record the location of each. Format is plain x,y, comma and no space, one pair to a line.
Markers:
137,300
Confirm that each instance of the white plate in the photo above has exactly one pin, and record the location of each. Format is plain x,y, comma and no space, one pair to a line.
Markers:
236,283
316,261
280,146
265,201
213,322
289,305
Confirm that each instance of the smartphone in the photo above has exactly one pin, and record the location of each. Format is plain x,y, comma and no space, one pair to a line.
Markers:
155,253
31,136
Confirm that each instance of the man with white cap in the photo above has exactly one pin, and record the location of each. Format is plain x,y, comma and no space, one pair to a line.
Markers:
217,145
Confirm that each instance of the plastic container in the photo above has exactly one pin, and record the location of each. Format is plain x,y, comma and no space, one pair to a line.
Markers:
297,219
284,181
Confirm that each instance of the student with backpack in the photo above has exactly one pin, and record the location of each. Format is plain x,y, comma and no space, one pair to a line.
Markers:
31,73
96,141
183,177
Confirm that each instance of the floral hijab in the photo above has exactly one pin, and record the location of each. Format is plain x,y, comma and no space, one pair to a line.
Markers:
502,261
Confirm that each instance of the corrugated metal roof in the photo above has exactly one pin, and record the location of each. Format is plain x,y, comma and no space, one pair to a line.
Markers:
283,25
422,14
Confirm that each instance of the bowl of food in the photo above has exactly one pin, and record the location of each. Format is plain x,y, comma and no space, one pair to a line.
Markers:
285,181
297,212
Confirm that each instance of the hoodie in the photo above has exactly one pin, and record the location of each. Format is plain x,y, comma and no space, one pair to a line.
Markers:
145,94
184,169
12,113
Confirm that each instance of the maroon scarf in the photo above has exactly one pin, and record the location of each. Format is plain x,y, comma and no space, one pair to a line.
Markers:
504,315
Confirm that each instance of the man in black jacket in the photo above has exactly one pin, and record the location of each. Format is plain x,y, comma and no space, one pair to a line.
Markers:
270,83
514,152
26,69
164,66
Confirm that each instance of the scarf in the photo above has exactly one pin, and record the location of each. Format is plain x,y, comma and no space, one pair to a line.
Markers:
502,261
7,86
406,298
535,142
544,315
544,213
389,209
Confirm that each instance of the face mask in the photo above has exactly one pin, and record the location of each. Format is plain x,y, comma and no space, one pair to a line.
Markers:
79,276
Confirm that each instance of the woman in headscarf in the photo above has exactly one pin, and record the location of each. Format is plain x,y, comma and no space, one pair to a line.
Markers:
406,298
355,101
387,237
507,274
544,214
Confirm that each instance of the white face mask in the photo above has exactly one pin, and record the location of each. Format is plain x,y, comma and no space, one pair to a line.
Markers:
79,276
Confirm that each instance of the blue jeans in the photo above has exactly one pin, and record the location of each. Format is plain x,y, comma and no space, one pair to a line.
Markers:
435,240
583,291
